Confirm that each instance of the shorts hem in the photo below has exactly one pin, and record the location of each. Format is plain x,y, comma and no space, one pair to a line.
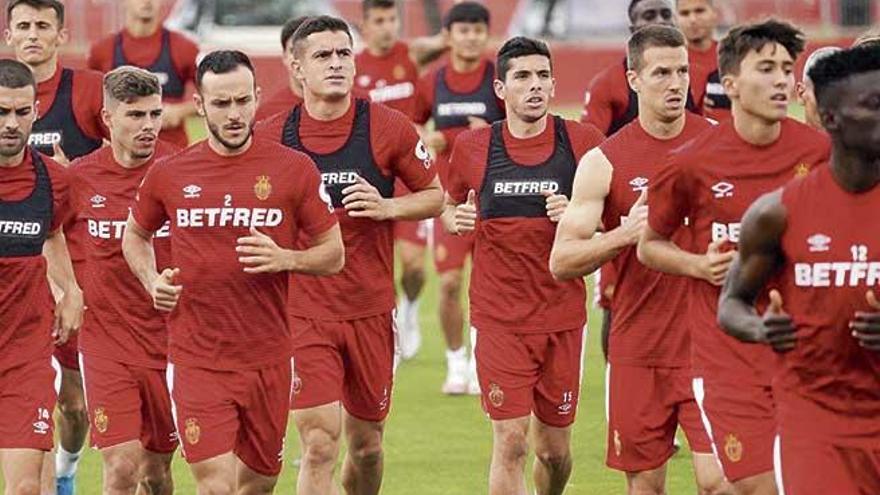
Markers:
368,419
263,472
639,467
335,318
313,404
562,424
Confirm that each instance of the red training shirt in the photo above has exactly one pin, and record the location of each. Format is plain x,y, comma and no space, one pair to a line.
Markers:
121,322
647,328
225,318
712,180
26,304
390,79
365,287
281,101
512,289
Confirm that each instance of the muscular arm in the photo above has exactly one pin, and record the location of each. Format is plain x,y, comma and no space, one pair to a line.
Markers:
419,205
137,248
69,308
760,256
659,253
326,255
426,49
577,251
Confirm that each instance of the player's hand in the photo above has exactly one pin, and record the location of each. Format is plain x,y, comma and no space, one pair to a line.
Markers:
556,205
59,155
260,254
164,291
866,325
362,200
635,221
465,219
68,316
715,264
778,327
476,122
435,140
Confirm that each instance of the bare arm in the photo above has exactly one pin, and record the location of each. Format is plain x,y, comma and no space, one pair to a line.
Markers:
260,254
660,253
362,200
426,49
137,248
577,250
760,257
69,308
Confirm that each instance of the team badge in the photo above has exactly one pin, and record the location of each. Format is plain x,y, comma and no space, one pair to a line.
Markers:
802,170
733,448
262,189
297,385
398,72
496,395
102,422
618,445
193,431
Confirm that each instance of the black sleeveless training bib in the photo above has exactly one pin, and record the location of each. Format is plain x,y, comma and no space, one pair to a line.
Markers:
163,67
452,109
25,224
59,125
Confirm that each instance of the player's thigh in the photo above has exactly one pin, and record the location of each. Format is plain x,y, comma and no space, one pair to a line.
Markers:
71,394
510,439
216,475
21,469
27,399
114,399
741,420
641,419
263,418
363,437
557,391
123,460
368,355
508,374
648,481
206,413
320,427
551,442
318,365
251,482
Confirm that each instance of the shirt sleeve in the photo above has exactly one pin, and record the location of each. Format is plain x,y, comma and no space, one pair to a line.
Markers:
597,104
88,103
584,137
314,212
669,197
148,209
407,156
458,183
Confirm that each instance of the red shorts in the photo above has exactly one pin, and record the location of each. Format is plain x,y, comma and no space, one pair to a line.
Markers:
806,467
240,411
28,392
646,405
67,353
128,403
741,421
524,374
450,250
415,232
350,361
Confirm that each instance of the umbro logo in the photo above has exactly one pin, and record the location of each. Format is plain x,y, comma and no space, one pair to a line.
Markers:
639,184
192,191
723,190
819,243
98,201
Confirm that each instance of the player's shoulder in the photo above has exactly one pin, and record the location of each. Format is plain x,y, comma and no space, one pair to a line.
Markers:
797,132
182,39
104,46
475,138
285,156
86,163
385,115
611,75
583,132
271,126
88,79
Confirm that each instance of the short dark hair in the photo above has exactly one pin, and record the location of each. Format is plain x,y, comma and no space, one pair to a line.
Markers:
289,28
127,83
319,24
869,37
630,10
377,4
837,67
14,75
520,46
222,62
746,38
470,12
654,36
55,5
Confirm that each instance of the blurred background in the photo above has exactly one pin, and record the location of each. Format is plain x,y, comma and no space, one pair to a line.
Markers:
586,35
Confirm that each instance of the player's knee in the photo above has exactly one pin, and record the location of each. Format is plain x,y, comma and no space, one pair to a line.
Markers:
713,484
450,285
366,455
321,447
513,446
27,486
121,474
413,273
217,486
157,477
554,458
73,408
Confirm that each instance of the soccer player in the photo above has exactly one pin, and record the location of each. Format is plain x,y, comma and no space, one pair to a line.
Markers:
236,205
342,325
610,103
810,245
68,126
805,90
289,95
33,206
710,182
457,96
510,184
144,42
388,69
123,352
649,374
698,20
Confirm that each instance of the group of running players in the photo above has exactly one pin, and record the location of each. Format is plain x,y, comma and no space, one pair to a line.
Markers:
220,286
